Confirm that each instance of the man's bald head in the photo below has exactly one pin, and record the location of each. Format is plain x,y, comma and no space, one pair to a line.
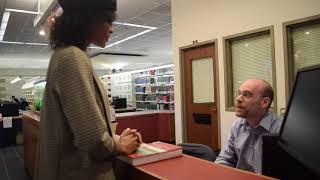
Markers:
264,88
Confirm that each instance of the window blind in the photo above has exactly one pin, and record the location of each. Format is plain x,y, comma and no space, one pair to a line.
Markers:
251,58
305,46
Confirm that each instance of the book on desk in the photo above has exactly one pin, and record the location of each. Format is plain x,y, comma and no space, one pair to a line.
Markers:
152,152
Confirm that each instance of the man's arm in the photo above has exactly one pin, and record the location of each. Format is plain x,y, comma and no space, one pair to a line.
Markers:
228,154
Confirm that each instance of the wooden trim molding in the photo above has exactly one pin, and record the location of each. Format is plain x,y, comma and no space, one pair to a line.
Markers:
287,44
227,51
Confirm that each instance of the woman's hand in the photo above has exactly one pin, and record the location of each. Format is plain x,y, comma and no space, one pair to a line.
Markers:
139,138
128,141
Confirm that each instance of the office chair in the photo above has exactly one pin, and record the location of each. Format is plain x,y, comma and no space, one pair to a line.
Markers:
198,150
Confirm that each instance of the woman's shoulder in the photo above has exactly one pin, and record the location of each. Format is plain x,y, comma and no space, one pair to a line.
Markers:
68,56
69,51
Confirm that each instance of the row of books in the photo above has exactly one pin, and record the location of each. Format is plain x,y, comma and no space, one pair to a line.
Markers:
155,97
153,80
154,89
146,105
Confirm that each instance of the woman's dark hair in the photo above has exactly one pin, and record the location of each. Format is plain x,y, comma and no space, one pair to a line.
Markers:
74,28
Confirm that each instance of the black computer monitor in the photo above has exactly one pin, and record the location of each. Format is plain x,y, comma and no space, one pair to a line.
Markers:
300,131
120,103
9,109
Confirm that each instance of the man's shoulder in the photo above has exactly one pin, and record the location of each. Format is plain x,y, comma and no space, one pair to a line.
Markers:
276,122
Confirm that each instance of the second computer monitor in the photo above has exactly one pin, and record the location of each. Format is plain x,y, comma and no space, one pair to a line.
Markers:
300,132
120,103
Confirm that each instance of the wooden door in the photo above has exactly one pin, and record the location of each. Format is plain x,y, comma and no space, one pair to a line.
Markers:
201,95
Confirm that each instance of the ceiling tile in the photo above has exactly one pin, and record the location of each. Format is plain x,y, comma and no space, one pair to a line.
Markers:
155,44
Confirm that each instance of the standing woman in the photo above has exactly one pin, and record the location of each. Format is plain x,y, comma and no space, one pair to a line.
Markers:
76,141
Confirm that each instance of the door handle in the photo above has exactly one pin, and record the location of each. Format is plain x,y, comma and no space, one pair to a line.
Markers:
200,118
213,109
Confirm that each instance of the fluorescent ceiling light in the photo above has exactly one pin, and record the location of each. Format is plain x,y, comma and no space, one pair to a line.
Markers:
106,66
5,19
136,71
114,66
154,68
37,44
6,15
149,28
23,43
126,39
15,80
21,11
134,25
12,42
4,22
118,65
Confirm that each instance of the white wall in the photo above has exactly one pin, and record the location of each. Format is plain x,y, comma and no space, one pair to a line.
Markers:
204,20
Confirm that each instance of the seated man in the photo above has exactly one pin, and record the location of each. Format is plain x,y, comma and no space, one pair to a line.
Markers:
243,147
24,105
14,99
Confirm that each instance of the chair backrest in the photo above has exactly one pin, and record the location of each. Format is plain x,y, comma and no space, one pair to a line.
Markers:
198,150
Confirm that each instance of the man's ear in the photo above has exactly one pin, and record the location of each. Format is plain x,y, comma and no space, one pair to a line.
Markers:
266,102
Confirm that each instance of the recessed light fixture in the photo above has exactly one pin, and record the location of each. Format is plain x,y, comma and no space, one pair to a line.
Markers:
42,33
307,32
246,45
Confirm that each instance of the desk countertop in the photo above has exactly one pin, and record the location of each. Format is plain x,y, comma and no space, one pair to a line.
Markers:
31,115
36,115
131,109
190,168
143,113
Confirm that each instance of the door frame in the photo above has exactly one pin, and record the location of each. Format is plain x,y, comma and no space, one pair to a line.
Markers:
183,86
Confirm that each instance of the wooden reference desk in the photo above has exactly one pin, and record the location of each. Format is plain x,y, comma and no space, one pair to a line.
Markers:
153,125
123,110
31,130
185,168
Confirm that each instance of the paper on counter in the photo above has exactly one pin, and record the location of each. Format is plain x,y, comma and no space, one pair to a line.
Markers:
7,122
